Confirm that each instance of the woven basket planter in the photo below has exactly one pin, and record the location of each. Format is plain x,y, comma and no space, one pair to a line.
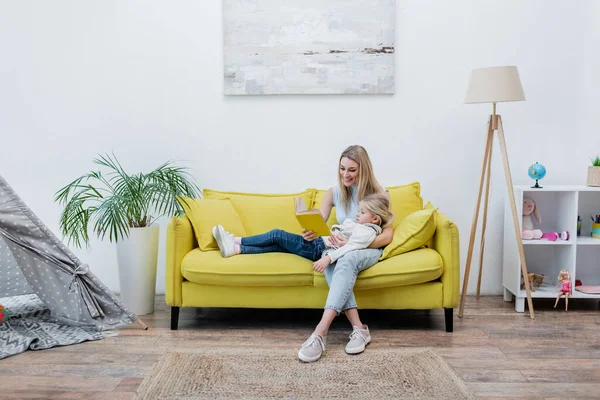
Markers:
593,178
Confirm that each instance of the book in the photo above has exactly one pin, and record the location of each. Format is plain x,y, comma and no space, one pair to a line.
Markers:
311,220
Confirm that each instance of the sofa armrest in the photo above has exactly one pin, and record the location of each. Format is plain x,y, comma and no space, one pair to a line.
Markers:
446,243
180,241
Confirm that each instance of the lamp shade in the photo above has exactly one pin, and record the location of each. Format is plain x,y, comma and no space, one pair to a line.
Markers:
494,85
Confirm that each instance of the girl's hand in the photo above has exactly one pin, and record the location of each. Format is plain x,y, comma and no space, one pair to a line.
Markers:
320,265
337,241
308,235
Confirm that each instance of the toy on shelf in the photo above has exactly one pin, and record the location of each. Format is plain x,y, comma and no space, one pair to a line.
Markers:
595,226
564,281
537,171
533,279
528,232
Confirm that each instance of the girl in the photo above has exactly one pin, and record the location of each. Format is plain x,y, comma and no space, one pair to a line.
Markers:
355,182
374,214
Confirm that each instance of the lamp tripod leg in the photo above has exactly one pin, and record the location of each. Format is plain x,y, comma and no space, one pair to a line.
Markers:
513,206
485,211
488,144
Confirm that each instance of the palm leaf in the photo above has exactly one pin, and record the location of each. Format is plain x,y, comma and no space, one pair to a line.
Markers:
113,202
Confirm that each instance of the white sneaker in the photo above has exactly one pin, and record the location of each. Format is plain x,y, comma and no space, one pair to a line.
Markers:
359,339
312,349
225,241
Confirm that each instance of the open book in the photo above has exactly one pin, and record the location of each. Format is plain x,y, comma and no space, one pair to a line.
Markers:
311,220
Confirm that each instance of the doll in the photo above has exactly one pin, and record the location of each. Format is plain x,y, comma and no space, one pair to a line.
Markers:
528,233
564,281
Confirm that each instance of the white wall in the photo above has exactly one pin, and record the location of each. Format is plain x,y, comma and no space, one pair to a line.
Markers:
144,79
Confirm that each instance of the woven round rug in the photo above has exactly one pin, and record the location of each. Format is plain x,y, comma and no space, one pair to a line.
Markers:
218,373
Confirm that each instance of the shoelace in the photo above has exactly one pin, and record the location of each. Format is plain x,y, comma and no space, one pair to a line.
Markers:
357,334
312,339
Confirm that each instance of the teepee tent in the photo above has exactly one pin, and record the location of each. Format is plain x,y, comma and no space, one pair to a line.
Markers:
34,261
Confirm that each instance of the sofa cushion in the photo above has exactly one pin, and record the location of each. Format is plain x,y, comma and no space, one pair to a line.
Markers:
419,266
260,213
206,213
414,231
272,269
405,200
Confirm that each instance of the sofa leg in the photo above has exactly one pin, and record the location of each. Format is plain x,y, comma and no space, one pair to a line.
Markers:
174,318
449,312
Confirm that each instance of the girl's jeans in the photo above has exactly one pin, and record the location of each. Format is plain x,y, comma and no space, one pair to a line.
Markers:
342,274
281,241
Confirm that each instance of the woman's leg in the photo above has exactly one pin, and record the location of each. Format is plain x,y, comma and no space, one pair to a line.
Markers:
341,277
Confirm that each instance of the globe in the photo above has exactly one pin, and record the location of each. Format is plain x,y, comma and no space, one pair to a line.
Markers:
537,171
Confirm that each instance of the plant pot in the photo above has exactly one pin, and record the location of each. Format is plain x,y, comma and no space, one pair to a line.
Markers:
137,256
593,178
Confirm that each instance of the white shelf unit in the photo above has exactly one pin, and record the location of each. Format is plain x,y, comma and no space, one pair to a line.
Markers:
558,207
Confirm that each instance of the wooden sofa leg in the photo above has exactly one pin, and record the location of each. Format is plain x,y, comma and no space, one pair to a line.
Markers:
174,318
449,312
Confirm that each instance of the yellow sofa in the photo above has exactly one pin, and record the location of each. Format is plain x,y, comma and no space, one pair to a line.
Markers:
197,275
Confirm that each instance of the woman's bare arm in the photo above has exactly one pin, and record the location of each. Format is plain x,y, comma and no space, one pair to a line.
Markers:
327,204
325,211
383,239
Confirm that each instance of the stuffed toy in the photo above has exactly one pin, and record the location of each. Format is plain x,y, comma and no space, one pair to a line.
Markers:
529,209
2,313
528,232
534,279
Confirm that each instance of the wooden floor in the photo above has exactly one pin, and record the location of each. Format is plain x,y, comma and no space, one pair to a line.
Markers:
498,352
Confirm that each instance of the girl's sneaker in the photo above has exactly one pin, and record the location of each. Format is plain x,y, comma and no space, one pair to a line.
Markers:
225,241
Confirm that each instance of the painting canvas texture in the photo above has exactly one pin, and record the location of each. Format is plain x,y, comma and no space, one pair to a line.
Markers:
308,46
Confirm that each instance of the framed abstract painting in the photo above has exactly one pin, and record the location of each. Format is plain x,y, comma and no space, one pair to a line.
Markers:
308,46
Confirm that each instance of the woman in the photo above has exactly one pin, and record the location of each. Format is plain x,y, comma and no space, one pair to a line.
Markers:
355,181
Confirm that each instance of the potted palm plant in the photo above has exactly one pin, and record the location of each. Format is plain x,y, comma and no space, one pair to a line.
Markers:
124,207
593,178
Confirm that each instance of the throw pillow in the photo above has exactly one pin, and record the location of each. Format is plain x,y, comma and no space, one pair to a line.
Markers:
405,200
429,243
412,232
206,213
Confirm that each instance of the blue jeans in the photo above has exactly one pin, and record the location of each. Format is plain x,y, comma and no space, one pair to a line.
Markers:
342,274
279,241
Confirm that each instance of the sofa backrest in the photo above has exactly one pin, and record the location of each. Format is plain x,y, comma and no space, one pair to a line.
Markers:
260,213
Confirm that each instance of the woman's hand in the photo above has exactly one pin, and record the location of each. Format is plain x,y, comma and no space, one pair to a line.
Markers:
320,265
308,235
337,241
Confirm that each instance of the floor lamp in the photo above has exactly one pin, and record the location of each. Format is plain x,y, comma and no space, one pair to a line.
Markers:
494,85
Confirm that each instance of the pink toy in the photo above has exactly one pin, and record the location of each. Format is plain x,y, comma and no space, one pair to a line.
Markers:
528,233
564,281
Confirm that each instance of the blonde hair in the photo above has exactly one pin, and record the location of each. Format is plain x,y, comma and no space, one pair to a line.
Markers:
560,274
378,204
367,184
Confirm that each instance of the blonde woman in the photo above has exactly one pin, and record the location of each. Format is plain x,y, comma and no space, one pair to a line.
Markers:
356,181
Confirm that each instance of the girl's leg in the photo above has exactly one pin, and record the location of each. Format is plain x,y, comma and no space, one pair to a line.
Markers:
566,301
281,241
557,298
